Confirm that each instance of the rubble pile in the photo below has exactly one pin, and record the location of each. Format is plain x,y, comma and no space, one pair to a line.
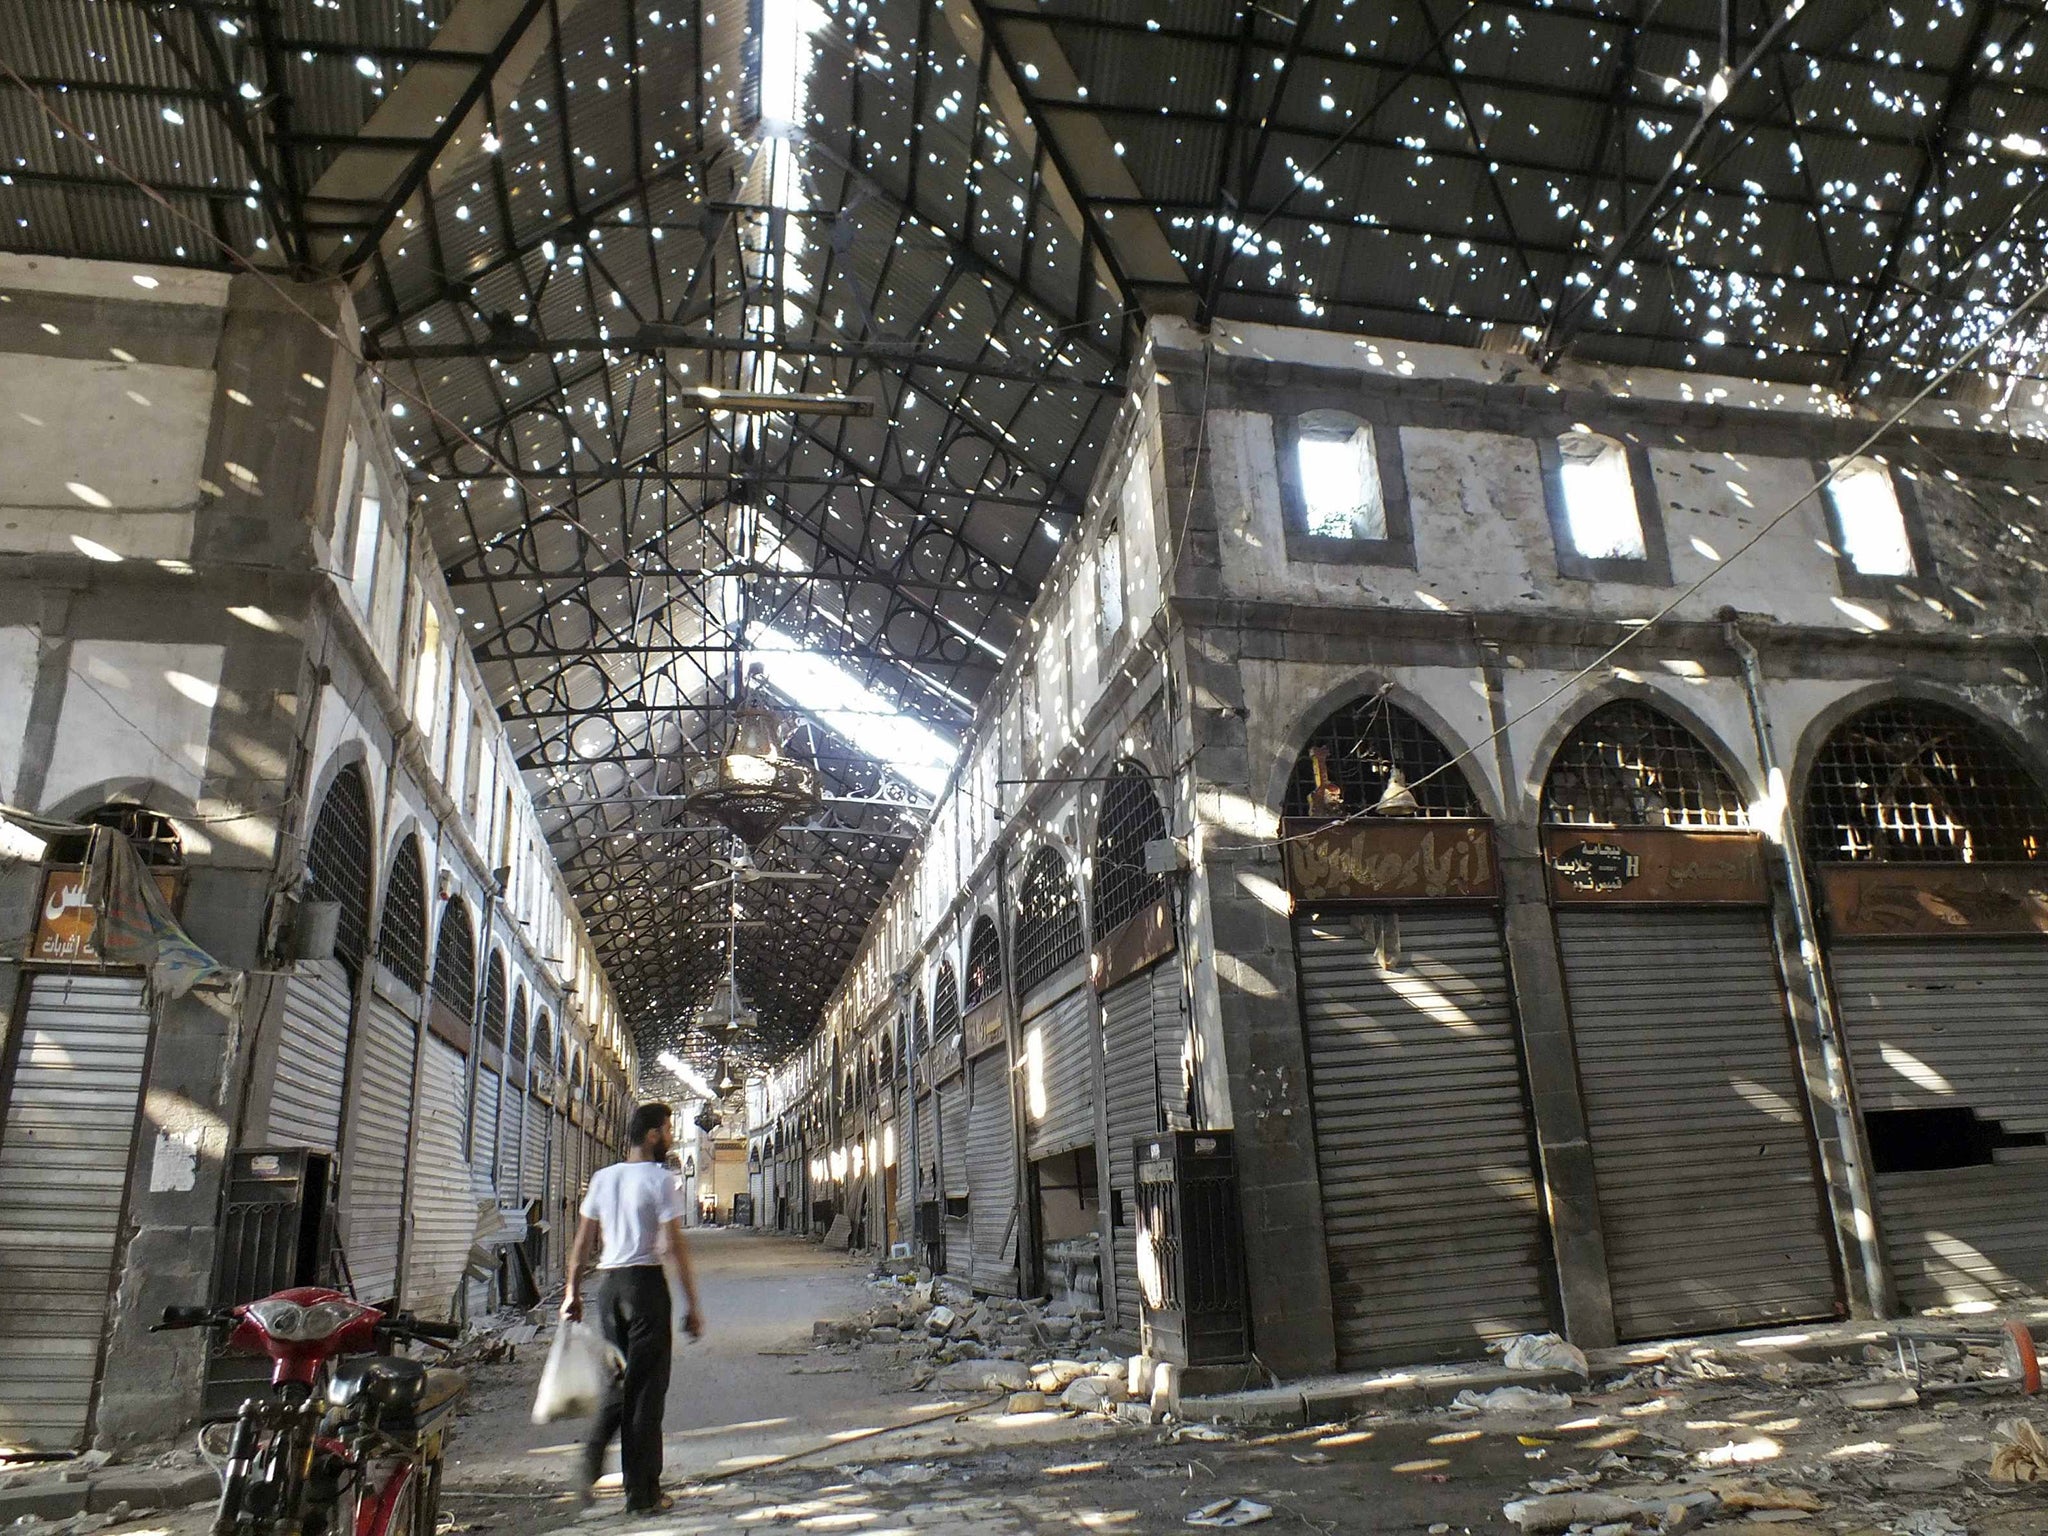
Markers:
1045,1355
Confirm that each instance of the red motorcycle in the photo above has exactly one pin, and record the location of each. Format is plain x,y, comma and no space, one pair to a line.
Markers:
349,1441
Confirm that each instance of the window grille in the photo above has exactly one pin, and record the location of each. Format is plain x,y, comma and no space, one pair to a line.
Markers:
338,863
455,962
888,1061
402,930
921,1025
984,963
945,1003
1343,770
543,1038
1629,765
152,833
1048,920
1913,782
494,1001
1131,818
518,1040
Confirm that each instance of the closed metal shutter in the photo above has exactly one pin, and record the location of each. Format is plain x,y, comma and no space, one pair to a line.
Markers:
953,1175
533,1164
1955,1024
1059,1052
66,1142
483,1138
1131,1103
1169,1042
928,1147
382,1120
312,1059
992,1175
511,1125
1710,1195
442,1209
1430,1200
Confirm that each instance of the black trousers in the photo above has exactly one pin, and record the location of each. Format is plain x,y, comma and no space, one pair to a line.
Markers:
633,1310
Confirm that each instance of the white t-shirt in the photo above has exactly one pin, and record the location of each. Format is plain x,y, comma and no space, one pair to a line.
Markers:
632,1202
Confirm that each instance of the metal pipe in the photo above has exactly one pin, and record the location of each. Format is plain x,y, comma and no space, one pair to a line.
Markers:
1877,1279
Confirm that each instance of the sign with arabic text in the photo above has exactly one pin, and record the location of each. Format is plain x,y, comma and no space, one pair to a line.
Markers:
1935,900
984,1027
1144,939
64,921
1378,859
1637,864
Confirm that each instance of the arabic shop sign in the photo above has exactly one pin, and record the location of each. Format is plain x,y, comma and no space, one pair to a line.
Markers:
1375,859
64,921
1935,900
1640,864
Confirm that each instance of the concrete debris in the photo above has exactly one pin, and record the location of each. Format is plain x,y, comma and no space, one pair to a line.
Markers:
1093,1393
1879,1397
1931,1522
982,1376
1027,1402
1230,1513
1562,1511
2022,1455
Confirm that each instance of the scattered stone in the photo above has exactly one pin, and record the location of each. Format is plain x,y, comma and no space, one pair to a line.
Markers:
1561,1511
940,1320
886,1316
1091,1394
983,1376
1522,1400
1027,1402
1876,1397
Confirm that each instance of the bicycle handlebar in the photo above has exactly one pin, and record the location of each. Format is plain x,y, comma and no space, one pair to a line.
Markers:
189,1317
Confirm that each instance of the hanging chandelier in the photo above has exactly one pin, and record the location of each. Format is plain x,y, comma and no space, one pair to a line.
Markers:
751,788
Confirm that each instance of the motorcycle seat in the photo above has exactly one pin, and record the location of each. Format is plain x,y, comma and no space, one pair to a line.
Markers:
400,1389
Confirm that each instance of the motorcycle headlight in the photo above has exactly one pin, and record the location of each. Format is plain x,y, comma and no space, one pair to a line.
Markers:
303,1325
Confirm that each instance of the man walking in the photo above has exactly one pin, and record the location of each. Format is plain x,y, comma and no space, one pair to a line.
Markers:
634,1206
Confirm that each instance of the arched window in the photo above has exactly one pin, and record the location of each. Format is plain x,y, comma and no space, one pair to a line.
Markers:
1630,765
888,1059
543,1038
402,931
152,833
945,1003
455,962
1130,819
984,963
339,862
518,1037
1351,762
494,1002
920,1025
1048,919
1911,782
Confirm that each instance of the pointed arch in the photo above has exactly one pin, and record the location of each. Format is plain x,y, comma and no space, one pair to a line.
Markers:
984,962
945,1002
402,929
454,983
1048,919
338,863
1630,764
1131,816
1348,761
1912,781
494,1003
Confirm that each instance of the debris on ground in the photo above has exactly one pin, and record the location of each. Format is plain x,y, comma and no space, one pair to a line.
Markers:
1521,1400
2022,1455
1230,1512
1542,1352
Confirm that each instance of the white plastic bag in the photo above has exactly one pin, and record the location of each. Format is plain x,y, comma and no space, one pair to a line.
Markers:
581,1365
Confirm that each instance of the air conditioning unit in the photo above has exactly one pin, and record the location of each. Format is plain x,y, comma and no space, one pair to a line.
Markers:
1192,1308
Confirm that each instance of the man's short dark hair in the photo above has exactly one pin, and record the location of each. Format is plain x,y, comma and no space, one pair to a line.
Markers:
648,1117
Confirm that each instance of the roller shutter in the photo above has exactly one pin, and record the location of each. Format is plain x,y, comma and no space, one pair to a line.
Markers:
442,1209
953,1174
1703,1152
927,1146
1956,1025
533,1162
312,1059
1169,1042
511,1121
1131,1102
382,1118
992,1175
483,1137
1430,1200
66,1142
1059,1053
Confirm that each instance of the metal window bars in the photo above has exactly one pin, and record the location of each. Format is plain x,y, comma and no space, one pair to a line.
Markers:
339,861
1629,764
1345,766
1131,818
1048,919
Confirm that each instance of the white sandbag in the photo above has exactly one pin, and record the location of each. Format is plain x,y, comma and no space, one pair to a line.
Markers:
581,1366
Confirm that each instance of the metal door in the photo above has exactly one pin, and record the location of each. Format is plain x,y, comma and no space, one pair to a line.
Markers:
483,1138
533,1163
374,1216
1131,1104
1709,1183
66,1142
992,1174
1431,1209
312,1059
1059,1063
953,1175
1954,1026
442,1209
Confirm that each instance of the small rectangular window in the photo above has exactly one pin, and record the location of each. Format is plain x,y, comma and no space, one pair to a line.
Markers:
1869,522
1600,509
1339,474
1109,580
